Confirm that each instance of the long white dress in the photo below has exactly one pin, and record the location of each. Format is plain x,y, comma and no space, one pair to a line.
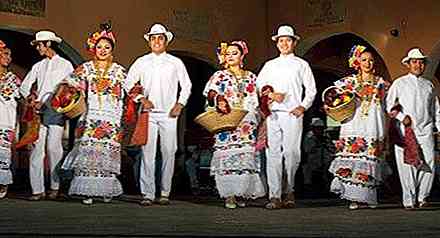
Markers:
356,168
234,163
9,93
95,158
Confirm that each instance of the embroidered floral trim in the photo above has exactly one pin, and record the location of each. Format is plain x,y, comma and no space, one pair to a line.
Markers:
7,136
359,178
100,130
9,86
368,91
358,146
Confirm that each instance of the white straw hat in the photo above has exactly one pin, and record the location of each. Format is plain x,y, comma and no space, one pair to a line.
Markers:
46,36
159,29
414,53
285,30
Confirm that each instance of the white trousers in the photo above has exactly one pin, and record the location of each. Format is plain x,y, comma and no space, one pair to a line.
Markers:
284,142
416,183
52,137
160,124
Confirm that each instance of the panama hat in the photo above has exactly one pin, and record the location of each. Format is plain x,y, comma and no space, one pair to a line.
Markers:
159,29
46,36
414,53
285,30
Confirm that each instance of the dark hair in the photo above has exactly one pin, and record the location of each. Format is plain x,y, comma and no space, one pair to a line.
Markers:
164,35
238,46
53,44
107,39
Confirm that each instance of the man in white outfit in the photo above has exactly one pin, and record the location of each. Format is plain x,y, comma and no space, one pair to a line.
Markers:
286,75
47,74
420,111
160,75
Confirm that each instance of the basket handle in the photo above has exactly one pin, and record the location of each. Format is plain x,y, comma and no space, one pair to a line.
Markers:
338,89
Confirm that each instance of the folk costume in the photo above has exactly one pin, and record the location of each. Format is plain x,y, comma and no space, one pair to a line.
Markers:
47,74
417,99
160,76
235,165
96,155
356,167
286,74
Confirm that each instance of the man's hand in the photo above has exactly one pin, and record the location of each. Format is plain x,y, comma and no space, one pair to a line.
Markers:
298,111
277,97
176,110
146,104
407,121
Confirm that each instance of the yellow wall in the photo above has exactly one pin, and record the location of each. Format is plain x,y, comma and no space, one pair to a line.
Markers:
198,25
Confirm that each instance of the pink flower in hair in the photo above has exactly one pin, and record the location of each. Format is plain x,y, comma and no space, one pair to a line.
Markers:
243,46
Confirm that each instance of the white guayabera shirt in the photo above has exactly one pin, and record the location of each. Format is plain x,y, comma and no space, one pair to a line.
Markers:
288,74
160,76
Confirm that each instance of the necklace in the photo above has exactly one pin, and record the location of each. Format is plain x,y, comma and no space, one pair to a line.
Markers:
238,73
101,82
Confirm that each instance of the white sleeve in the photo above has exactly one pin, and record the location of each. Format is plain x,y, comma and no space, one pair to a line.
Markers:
310,87
262,78
184,82
436,109
29,80
393,98
133,76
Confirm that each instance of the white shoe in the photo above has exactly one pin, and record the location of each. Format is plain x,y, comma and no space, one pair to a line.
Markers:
87,201
353,206
107,199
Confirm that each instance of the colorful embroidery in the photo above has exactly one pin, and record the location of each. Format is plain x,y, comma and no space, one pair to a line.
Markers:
9,85
358,146
100,129
7,136
367,91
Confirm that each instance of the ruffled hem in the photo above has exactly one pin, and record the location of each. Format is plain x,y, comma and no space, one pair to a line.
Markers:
5,177
85,159
354,193
245,185
358,170
95,186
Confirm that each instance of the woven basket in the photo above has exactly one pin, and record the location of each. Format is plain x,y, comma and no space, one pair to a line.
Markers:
343,111
74,109
215,122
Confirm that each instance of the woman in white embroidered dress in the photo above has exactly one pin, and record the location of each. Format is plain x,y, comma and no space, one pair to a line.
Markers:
234,164
9,84
95,158
356,168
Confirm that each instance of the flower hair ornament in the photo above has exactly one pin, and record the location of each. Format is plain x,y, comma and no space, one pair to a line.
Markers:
104,32
221,54
354,56
243,46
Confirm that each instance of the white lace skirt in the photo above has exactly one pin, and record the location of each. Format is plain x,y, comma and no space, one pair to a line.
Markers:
243,185
95,186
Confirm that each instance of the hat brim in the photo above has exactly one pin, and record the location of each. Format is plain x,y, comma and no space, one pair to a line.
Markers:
168,34
275,37
55,39
407,58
